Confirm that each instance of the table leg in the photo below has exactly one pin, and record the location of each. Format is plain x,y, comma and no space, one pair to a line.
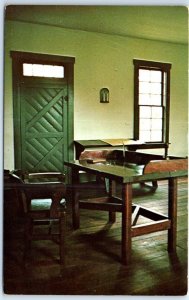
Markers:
112,191
155,184
126,222
172,211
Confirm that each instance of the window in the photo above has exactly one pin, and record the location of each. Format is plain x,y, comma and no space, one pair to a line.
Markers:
151,101
39,70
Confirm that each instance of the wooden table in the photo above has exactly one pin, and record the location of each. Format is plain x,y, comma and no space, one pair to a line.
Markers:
131,145
126,176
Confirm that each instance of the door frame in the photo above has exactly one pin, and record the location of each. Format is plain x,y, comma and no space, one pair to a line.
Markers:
18,58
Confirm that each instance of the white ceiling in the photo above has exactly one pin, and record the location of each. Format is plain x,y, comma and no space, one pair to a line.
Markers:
163,23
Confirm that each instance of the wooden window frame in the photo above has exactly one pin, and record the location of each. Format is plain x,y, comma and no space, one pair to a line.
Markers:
151,65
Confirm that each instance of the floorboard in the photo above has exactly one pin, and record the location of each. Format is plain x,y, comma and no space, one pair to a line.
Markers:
93,255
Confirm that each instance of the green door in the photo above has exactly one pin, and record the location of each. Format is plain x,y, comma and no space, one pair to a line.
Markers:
43,126
43,112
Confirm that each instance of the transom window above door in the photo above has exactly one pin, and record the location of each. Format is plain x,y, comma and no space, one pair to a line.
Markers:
151,102
40,70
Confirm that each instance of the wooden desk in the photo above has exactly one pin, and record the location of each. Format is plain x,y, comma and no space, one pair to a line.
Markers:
132,145
126,176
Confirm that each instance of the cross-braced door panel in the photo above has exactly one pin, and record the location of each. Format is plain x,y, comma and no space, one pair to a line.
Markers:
43,127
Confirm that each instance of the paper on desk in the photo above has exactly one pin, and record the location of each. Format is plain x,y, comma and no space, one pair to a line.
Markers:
120,142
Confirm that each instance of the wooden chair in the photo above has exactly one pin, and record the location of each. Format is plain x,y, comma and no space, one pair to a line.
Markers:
36,187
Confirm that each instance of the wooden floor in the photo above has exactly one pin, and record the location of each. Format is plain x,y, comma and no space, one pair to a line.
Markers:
93,255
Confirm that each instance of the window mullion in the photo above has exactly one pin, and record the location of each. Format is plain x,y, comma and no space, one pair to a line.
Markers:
154,88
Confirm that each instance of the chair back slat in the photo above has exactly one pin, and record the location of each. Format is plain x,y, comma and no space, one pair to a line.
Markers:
92,154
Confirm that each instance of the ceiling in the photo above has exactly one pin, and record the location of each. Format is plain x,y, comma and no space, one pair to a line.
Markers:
162,23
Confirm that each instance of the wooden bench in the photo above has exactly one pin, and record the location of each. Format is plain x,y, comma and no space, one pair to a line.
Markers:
130,158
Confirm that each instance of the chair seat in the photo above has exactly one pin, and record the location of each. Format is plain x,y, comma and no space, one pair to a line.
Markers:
42,204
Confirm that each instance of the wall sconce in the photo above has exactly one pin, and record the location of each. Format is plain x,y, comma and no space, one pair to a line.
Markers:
104,95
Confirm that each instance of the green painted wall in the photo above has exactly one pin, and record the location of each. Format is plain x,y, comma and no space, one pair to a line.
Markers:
101,61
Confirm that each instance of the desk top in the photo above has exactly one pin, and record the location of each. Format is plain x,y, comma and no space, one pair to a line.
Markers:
109,142
123,173
118,142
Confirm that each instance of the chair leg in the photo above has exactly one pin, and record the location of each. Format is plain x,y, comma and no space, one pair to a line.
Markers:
62,231
50,228
27,236
62,225
112,217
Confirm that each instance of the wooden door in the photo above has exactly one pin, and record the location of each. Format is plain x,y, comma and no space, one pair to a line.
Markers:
43,126
43,121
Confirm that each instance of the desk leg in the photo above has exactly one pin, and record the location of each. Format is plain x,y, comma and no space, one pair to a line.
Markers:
172,211
112,192
126,222
75,199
